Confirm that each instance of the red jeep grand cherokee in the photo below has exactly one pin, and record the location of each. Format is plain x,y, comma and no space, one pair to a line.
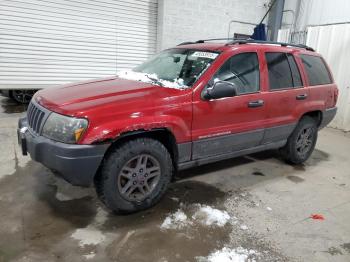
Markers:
190,105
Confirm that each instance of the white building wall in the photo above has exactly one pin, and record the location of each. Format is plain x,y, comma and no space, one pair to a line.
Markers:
189,20
317,12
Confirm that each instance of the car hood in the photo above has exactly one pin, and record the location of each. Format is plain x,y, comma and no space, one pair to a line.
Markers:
78,99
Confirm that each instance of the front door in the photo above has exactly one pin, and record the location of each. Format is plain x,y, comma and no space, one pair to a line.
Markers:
222,126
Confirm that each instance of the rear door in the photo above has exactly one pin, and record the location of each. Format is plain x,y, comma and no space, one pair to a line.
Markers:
286,95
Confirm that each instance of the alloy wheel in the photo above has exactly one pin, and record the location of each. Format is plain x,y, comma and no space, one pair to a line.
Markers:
139,177
305,141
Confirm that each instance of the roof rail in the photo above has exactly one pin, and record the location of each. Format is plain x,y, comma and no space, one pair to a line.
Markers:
252,41
206,40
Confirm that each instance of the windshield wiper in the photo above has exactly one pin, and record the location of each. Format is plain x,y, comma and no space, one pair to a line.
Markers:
155,80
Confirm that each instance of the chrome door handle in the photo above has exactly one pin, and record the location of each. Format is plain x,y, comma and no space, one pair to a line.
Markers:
301,97
256,103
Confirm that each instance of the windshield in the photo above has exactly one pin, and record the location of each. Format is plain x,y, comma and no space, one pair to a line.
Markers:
177,68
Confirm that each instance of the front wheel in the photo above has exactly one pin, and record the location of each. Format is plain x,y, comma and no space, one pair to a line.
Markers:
134,175
301,142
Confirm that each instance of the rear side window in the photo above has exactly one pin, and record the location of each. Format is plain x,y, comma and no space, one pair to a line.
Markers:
316,70
295,71
283,71
242,70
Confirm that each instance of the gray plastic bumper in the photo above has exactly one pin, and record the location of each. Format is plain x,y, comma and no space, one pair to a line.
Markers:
328,116
76,163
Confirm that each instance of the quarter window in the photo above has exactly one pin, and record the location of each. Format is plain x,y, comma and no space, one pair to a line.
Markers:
316,70
295,71
242,70
283,71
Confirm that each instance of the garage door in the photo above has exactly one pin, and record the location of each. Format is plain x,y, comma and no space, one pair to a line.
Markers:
45,43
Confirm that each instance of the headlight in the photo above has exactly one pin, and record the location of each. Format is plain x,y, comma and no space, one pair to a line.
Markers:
64,129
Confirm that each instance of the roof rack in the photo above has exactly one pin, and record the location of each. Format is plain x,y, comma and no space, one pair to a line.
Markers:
235,41
252,41
207,40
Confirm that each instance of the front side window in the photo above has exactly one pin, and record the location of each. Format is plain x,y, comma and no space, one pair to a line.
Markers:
178,68
242,70
316,70
283,71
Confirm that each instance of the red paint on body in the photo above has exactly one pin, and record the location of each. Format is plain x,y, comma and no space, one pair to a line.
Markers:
115,106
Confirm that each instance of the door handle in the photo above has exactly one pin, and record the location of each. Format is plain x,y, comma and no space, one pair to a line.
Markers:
301,97
256,103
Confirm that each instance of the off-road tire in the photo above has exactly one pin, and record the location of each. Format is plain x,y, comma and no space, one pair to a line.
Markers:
290,152
107,186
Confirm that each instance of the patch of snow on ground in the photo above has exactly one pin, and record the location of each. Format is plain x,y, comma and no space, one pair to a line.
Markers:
90,256
151,78
229,255
175,221
62,197
88,236
269,208
176,199
208,216
202,214
244,227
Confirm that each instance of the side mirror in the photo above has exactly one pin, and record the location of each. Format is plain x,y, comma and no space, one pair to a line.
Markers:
220,89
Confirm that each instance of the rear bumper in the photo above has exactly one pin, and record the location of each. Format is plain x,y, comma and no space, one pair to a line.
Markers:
75,163
328,116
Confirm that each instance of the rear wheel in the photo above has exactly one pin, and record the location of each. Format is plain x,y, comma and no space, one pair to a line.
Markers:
135,175
301,142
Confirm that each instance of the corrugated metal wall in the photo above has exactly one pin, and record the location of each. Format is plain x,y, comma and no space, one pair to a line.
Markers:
333,42
50,42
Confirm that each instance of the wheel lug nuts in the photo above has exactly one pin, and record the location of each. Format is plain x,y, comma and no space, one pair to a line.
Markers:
141,170
146,175
133,175
134,183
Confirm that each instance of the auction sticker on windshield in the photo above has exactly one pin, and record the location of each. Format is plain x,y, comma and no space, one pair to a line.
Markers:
205,55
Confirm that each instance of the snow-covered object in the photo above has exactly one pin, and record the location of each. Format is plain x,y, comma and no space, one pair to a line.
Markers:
151,78
229,255
208,216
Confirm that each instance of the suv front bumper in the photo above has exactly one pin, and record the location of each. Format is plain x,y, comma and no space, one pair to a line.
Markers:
77,164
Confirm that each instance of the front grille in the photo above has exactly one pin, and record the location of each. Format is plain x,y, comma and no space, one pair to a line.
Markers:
35,117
